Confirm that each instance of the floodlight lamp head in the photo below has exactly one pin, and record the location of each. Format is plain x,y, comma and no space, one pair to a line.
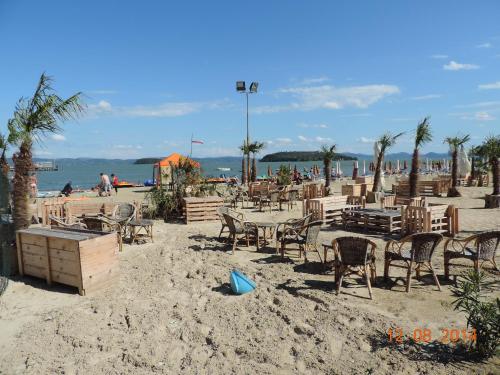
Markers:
240,86
254,86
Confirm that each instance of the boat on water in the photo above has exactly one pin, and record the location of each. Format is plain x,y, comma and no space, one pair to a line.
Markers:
224,169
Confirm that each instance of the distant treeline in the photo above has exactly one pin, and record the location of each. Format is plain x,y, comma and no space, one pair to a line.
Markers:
301,156
147,161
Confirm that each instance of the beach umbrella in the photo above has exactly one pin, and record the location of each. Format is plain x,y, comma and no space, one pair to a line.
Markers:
427,167
405,164
390,166
269,171
398,166
364,167
464,165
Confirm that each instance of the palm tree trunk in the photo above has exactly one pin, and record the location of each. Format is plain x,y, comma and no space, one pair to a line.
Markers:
453,191
243,171
376,182
328,173
495,169
254,169
22,165
248,168
414,175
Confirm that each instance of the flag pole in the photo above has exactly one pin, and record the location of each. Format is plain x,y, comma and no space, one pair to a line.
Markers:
191,153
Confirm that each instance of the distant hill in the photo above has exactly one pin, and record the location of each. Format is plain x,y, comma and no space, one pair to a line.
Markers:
401,156
147,161
300,156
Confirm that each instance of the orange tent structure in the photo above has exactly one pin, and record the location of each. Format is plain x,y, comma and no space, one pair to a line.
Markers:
162,171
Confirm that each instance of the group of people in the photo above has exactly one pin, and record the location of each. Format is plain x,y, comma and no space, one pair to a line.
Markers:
104,188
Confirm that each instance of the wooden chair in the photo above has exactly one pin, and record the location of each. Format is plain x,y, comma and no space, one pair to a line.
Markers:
419,255
354,255
240,229
481,247
306,238
297,225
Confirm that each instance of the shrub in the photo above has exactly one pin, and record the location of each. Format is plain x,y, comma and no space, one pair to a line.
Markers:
482,316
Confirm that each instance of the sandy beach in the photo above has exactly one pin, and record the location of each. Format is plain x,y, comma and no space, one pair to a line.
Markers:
172,311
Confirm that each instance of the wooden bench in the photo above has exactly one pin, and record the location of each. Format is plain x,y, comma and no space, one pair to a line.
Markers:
438,218
394,202
201,209
424,188
329,209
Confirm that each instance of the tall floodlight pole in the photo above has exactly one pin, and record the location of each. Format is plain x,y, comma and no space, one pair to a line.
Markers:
241,88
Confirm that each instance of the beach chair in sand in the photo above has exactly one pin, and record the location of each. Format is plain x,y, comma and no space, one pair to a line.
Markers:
305,238
239,229
298,226
412,253
226,210
479,248
354,255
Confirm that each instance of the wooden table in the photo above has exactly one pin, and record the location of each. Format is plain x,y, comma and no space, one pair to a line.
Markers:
141,224
387,221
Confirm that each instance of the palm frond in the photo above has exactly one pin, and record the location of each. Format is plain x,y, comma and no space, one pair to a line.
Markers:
457,141
328,151
423,133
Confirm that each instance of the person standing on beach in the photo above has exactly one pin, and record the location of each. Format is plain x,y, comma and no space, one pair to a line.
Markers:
105,184
114,181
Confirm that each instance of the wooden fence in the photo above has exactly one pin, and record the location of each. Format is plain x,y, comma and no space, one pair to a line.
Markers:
329,209
439,218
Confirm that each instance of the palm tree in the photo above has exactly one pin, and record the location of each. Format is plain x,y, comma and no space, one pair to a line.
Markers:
455,143
328,153
244,171
491,149
4,166
385,142
33,118
423,135
255,148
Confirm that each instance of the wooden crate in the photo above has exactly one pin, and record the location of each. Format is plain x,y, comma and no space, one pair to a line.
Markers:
364,180
365,188
84,259
201,209
352,189
329,209
438,218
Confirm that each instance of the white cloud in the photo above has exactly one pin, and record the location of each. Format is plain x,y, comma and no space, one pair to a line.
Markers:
426,97
42,153
312,81
302,138
481,105
331,97
490,86
173,109
58,137
323,139
484,45
284,140
454,66
318,126
438,56
483,116
366,140
127,147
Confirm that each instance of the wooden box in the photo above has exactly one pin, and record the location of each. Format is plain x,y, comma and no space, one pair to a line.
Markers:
84,259
364,180
352,190
365,188
202,209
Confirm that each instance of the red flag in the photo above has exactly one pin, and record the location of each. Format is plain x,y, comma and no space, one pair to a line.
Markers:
195,141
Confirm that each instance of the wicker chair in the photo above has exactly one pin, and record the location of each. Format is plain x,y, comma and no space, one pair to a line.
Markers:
298,225
272,200
104,224
305,237
55,221
240,229
354,255
418,255
226,210
123,213
481,247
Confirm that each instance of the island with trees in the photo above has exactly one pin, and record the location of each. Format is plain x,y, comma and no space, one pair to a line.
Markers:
147,161
292,156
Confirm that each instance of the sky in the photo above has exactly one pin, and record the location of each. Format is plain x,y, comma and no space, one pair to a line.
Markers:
154,73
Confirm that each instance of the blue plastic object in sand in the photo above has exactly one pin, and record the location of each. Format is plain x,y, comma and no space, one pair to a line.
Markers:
241,284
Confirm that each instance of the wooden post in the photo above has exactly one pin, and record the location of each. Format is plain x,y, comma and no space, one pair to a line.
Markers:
47,262
19,254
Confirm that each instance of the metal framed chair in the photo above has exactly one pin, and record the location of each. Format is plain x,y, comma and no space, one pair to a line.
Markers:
422,247
354,255
478,248
306,238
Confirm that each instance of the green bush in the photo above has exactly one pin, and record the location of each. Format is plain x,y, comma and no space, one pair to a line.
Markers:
482,316
284,175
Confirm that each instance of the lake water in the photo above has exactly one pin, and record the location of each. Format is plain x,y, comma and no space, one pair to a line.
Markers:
85,173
